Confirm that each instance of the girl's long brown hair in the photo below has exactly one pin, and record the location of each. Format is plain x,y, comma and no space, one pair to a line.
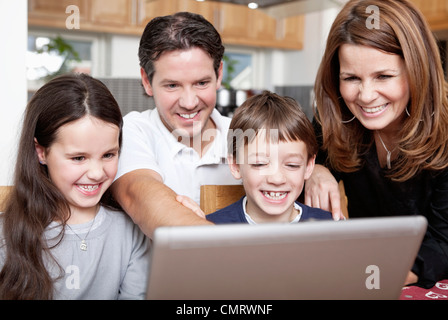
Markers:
402,31
35,202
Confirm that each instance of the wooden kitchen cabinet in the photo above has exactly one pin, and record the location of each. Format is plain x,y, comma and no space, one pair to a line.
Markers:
155,8
435,12
234,23
116,12
51,13
238,25
111,16
263,28
286,33
209,10
291,31
243,26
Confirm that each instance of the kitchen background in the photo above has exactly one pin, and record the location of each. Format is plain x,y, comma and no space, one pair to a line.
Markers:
275,47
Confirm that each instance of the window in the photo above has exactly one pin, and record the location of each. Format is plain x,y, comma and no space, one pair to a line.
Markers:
238,69
50,54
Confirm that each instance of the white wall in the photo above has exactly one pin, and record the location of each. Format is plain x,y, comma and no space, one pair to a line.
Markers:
297,68
13,90
124,56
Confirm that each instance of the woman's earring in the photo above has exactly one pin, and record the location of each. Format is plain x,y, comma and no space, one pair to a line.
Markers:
407,112
42,162
421,120
345,121
348,121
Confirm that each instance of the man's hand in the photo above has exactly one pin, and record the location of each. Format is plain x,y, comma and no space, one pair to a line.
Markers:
190,204
322,191
151,204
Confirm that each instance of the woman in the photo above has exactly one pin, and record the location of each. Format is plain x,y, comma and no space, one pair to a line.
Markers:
382,119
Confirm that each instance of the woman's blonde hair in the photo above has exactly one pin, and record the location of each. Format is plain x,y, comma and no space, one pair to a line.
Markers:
401,30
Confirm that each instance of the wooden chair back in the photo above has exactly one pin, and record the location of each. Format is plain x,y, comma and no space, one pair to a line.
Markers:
215,197
344,199
4,193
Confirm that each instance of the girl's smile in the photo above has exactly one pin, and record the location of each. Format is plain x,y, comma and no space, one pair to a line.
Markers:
80,166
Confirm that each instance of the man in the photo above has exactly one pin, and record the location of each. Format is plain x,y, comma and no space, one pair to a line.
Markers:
180,145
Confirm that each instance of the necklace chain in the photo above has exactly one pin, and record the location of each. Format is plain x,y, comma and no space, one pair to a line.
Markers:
389,153
83,245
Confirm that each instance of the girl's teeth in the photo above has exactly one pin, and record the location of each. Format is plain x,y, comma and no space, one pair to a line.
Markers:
275,195
373,110
88,187
188,116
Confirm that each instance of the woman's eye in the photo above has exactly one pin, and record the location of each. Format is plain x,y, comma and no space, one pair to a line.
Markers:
384,77
350,79
80,158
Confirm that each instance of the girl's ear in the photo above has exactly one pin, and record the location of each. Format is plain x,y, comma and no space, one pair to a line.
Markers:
40,152
145,82
310,167
234,167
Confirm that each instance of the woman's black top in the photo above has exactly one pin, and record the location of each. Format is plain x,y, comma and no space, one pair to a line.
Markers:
371,193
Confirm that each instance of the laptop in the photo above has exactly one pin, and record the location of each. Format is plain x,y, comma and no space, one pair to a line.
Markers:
366,258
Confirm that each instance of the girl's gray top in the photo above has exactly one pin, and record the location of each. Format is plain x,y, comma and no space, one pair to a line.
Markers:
114,266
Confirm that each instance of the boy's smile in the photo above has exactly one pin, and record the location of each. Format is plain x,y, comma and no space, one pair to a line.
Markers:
273,176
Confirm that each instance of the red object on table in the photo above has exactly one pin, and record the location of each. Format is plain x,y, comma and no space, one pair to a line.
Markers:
438,292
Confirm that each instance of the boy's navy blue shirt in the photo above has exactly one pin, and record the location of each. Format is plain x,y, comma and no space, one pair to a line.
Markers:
234,213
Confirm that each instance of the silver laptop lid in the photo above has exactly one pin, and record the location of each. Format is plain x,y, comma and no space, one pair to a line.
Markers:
353,259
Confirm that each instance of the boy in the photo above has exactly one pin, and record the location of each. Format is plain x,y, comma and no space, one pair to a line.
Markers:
272,148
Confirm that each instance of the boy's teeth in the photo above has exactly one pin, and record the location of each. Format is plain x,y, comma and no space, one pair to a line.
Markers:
188,116
275,195
89,187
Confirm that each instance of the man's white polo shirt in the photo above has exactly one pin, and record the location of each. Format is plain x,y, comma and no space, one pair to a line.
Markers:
148,144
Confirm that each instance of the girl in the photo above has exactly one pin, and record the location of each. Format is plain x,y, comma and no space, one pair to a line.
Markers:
62,238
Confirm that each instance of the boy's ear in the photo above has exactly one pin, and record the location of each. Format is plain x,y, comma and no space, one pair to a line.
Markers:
310,167
234,167
145,82
40,152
